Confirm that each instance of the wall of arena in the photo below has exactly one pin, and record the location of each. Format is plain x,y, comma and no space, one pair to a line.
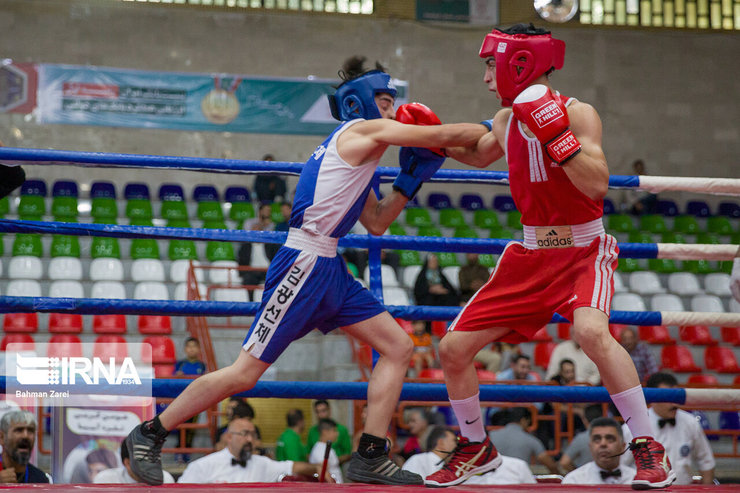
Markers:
669,97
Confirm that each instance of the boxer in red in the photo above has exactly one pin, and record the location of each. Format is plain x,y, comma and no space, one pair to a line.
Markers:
558,177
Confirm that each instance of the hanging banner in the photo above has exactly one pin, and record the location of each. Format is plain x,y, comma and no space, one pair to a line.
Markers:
86,95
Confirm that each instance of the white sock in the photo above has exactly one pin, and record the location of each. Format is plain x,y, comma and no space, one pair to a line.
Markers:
468,414
631,405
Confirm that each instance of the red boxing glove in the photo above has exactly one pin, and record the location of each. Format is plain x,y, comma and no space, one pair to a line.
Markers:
418,114
547,118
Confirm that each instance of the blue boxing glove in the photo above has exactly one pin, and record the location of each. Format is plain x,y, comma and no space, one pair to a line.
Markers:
417,166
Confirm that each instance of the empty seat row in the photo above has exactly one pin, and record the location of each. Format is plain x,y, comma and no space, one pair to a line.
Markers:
680,283
671,303
70,323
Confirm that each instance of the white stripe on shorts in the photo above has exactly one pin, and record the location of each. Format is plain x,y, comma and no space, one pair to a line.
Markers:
603,271
279,303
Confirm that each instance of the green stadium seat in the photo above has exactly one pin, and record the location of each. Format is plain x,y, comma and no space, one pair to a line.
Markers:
502,234
104,210
4,206
662,265
105,248
686,224
182,250
484,218
719,225
653,223
141,222
448,259
396,229
27,245
514,220
215,225
178,223
487,260
409,257
673,237
629,265
418,217
708,239
241,211
698,266
139,209
31,207
275,214
451,218
65,246
620,223
465,232
219,250
174,210
210,211
64,209
429,231
640,237
144,248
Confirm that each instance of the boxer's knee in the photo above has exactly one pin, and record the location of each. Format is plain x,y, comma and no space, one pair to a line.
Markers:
593,338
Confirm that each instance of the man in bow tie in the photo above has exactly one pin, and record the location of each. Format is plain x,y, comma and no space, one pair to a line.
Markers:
236,464
680,433
606,443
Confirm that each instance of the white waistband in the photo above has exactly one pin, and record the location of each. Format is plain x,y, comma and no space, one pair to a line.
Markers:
323,246
583,234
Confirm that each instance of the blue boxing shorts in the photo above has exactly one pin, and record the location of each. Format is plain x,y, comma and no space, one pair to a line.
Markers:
306,291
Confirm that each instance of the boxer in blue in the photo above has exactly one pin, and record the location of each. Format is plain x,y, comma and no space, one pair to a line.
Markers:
308,285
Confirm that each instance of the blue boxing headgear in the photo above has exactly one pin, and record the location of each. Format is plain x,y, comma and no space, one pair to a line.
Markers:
355,98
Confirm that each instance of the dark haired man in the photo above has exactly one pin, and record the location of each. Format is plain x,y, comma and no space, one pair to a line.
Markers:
558,178
308,285
606,444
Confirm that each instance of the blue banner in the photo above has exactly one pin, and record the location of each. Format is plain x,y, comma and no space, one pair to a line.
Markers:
86,95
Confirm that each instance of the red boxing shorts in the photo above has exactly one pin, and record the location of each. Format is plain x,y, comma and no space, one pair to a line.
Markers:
529,285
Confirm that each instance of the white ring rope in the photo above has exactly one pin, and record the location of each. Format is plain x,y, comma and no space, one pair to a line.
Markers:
716,186
714,319
680,251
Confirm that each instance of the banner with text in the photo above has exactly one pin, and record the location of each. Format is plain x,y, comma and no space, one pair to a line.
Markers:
86,95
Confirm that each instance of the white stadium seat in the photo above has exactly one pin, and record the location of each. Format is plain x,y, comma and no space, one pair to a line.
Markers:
619,286
387,273
223,276
179,270
65,268
717,284
106,269
451,273
645,282
410,274
630,302
147,269
259,257
23,287
181,291
666,303
151,290
394,295
706,303
66,289
25,267
239,295
684,284
108,289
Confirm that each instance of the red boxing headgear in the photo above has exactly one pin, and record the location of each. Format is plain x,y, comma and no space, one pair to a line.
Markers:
520,59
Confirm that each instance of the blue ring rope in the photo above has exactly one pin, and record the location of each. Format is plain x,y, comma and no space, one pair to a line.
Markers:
97,306
17,155
422,243
170,388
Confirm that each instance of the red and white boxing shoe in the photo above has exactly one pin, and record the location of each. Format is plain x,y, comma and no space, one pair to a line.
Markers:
653,467
468,459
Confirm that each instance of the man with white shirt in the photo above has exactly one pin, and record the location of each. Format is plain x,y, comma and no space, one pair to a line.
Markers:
123,475
236,464
606,443
680,433
442,441
328,434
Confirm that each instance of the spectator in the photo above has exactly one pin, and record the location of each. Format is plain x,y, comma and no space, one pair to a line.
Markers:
546,429
263,222
423,356
520,369
99,460
578,453
269,188
606,444
417,420
637,201
514,441
237,464
285,210
191,365
17,438
680,433
586,370
289,445
566,374
432,287
123,474
442,440
236,407
472,276
327,433
639,352
343,444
